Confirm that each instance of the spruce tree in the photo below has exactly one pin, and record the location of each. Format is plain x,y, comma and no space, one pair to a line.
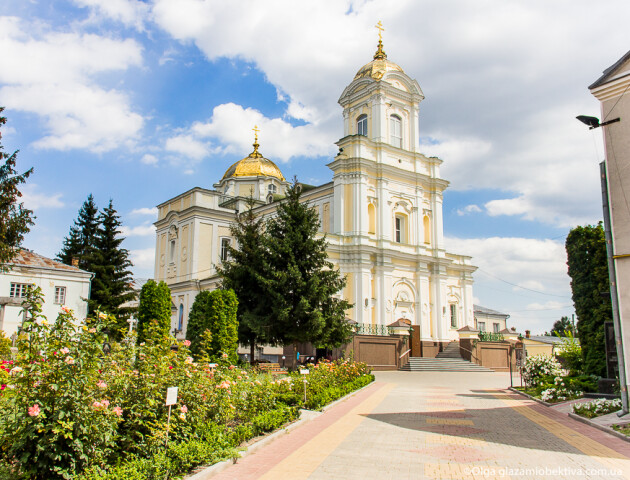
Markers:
112,283
588,269
245,272
303,283
81,241
15,219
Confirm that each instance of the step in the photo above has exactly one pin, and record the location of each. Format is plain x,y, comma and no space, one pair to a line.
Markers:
443,364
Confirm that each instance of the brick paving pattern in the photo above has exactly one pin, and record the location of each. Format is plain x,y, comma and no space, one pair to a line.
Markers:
429,425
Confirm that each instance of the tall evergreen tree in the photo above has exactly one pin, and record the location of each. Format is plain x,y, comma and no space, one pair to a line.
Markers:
588,269
303,283
15,219
81,240
112,283
154,312
245,272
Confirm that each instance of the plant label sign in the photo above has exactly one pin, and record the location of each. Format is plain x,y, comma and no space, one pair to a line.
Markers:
304,371
171,396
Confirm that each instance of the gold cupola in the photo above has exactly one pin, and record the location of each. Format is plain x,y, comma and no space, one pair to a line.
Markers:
254,165
379,66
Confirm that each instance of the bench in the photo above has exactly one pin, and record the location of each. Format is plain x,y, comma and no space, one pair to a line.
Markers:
272,368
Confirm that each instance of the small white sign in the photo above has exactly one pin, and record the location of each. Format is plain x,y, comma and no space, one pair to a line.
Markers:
304,371
171,396
212,365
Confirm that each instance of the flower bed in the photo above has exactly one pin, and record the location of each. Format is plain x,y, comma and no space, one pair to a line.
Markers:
597,407
70,410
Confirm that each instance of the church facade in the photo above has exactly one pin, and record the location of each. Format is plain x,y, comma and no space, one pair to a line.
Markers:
381,214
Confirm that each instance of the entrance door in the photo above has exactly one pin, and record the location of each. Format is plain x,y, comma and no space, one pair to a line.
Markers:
416,349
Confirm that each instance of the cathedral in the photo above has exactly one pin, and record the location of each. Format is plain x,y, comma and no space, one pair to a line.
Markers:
381,214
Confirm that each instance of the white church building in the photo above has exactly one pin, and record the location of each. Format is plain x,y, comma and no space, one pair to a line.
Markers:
381,214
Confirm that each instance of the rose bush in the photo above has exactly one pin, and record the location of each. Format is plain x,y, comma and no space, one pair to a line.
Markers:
74,409
537,367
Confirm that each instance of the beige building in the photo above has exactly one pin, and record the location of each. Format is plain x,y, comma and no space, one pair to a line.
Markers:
381,214
612,89
488,320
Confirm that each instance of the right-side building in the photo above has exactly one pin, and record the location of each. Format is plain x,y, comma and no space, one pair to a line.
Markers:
612,89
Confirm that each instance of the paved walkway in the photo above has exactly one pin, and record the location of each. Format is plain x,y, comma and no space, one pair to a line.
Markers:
434,425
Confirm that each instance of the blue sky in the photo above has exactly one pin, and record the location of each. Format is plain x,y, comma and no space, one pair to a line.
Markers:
140,101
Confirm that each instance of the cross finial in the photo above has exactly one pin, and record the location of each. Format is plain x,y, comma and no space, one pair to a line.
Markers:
255,153
380,28
256,130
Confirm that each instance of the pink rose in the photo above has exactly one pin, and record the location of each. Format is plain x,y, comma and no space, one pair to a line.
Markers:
118,411
34,410
101,384
184,409
187,343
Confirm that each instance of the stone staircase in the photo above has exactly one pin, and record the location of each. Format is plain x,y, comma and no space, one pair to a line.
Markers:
448,360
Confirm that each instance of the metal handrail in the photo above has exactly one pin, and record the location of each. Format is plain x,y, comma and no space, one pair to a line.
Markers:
405,353
472,355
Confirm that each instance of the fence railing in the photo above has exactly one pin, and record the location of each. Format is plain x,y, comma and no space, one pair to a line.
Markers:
369,329
490,337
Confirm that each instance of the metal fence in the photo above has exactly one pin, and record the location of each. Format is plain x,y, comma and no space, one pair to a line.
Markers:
369,329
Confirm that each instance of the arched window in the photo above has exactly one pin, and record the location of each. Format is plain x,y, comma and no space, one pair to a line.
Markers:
180,323
427,229
371,218
400,229
453,315
362,127
395,131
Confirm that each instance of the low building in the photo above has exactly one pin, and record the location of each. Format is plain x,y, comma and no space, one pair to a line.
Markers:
487,320
61,285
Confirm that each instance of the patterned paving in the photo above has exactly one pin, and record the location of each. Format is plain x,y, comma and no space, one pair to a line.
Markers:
438,426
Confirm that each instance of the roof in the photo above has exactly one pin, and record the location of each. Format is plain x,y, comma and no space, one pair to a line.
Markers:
487,311
254,165
28,258
609,71
546,339
379,66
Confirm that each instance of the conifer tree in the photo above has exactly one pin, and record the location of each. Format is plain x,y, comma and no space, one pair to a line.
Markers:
15,219
81,241
303,283
112,283
154,312
588,269
245,272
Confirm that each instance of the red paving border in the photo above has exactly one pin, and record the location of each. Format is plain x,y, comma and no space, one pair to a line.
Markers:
610,441
258,463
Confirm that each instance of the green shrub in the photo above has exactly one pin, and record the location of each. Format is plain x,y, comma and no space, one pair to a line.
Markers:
597,407
538,367
571,354
5,346
154,312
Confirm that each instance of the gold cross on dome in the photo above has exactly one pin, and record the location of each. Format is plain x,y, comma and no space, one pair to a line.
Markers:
256,130
380,28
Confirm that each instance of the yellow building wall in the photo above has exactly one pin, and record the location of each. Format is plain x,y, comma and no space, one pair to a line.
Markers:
205,250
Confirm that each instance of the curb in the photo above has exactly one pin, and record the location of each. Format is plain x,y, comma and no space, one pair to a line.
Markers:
209,472
538,400
603,428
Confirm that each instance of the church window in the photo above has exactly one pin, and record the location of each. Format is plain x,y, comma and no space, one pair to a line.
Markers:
172,252
453,315
225,248
426,223
362,125
371,218
271,188
395,131
180,323
400,233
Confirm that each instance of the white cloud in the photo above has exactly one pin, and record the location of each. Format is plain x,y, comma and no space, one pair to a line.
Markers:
143,261
34,199
138,231
468,209
52,75
149,159
187,146
129,12
232,125
153,211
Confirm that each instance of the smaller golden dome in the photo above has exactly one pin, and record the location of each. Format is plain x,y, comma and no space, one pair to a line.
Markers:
254,165
379,66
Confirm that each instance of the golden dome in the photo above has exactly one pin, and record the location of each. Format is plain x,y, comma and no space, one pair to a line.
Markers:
254,165
379,66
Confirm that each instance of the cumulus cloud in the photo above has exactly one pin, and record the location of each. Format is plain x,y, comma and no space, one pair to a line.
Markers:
468,209
137,231
149,159
129,12
153,211
34,199
58,84
143,260
232,125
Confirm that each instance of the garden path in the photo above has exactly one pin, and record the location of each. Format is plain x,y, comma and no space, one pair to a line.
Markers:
435,425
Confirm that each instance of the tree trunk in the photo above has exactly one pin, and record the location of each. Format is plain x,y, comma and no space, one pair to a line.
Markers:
294,356
252,351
